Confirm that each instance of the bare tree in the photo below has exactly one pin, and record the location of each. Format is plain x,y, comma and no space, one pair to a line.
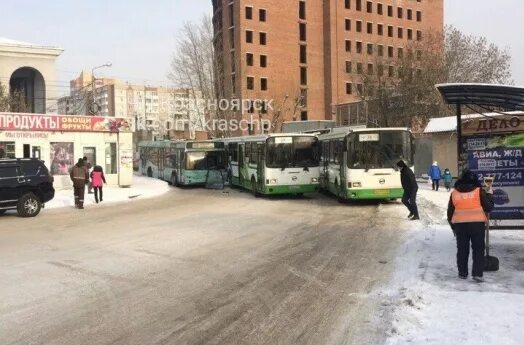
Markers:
14,101
401,92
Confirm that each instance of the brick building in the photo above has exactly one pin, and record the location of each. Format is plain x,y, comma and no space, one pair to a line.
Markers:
309,55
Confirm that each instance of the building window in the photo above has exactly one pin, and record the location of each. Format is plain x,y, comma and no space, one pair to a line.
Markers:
359,26
410,34
347,4
390,52
249,12
380,29
262,15
250,83
232,38
349,66
359,5
380,9
380,50
231,15
390,31
233,83
348,46
263,38
263,84
410,14
369,7
302,31
303,76
349,88
400,33
391,71
303,115
111,166
419,35
400,53
419,16
7,149
249,36
233,65
303,54
390,11
359,47
348,24
370,68
302,10
249,59
359,68
380,70
263,61
370,28
370,48
400,12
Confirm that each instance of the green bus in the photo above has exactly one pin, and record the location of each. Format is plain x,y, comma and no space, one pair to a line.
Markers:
182,162
361,163
274,163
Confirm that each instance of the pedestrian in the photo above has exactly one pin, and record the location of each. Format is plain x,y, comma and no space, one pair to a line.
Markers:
98,179
80,178
447,179
467,209
435,174
410,186
88,166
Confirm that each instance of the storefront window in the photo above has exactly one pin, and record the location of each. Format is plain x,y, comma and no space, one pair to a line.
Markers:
7,149
90,153
111,166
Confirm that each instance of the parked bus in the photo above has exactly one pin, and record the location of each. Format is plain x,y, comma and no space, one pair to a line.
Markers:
361,163
274,163
182,162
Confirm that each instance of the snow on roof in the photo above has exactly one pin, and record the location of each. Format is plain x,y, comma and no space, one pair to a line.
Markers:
449,123
14,43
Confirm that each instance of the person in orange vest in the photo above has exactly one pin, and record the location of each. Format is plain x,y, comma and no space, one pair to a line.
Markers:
467,208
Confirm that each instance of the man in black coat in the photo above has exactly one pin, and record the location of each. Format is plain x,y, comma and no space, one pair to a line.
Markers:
410,186
467,207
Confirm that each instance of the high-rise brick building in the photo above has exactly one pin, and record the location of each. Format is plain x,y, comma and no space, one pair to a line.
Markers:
309,55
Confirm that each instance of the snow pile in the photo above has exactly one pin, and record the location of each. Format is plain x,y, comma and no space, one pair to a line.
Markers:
142,188
432,306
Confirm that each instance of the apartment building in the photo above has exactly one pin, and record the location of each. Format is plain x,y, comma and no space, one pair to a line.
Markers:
309,56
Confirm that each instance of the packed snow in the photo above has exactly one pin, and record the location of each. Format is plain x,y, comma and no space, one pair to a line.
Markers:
142,188
430,305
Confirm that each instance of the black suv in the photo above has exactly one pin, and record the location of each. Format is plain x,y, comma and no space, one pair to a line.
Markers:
25,185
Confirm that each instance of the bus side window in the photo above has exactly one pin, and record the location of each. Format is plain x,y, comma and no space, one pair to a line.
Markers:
248,153
261,153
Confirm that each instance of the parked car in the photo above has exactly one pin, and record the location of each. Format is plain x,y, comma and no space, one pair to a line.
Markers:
25,185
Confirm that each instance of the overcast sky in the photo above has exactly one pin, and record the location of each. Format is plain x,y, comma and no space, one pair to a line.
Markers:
137,36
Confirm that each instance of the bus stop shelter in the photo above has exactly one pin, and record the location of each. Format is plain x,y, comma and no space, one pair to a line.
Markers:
493,145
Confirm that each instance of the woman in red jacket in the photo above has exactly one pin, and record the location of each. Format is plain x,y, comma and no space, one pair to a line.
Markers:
98,179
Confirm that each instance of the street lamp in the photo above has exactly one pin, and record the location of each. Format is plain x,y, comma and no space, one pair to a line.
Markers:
109,64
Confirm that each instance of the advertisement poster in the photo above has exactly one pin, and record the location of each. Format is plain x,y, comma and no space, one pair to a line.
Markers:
500,156
64,123
126,159
62,158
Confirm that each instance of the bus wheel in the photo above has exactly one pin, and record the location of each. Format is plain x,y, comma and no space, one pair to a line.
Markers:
254,187
149,172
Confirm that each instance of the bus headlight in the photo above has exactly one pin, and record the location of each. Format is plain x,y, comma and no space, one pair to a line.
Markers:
314,180
273,181
357,184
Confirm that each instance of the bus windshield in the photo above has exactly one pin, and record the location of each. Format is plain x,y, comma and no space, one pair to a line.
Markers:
292,152
202,160
379,150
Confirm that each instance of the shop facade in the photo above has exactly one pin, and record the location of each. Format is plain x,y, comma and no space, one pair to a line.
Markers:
60,140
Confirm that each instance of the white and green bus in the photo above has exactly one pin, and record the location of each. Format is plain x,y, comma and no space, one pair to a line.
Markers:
361,163
274,163
182,162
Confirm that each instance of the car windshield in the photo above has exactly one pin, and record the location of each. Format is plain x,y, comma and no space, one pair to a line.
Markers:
202,160
288,152
379,150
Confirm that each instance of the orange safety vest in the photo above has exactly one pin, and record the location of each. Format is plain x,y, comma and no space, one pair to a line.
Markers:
468,208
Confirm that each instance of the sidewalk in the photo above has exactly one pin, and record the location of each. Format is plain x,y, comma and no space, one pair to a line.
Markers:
430,305
142,188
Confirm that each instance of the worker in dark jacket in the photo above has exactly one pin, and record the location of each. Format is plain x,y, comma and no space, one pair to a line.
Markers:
410,186
80,178
467,209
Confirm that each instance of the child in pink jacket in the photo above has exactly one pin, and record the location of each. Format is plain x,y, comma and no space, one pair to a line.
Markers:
98,179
